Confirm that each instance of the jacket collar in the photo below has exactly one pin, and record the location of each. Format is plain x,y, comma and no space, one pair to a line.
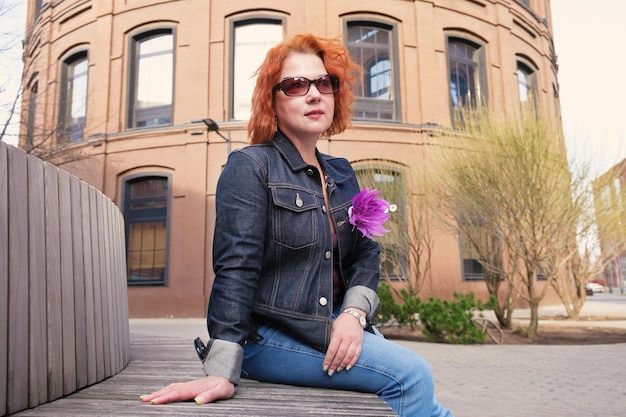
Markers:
289,152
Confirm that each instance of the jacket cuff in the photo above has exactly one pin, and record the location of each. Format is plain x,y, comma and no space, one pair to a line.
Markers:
363,298
223,359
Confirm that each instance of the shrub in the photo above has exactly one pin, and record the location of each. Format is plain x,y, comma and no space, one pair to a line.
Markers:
451,321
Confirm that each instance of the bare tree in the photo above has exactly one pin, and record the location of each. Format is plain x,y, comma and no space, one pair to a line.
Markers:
510,176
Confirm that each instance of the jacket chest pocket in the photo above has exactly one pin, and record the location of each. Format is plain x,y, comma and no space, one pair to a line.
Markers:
295,218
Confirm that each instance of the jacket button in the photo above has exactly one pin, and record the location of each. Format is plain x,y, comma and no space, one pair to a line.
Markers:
309,172
323,209
323,301
328,254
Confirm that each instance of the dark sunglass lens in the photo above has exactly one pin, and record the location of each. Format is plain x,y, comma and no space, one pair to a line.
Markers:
295,86
324,84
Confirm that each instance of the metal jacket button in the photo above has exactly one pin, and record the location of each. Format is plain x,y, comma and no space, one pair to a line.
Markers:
328,254
323,301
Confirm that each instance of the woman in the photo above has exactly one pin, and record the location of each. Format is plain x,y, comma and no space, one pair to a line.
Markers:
295,281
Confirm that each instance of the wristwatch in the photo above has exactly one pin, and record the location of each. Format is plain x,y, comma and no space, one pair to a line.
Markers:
362,319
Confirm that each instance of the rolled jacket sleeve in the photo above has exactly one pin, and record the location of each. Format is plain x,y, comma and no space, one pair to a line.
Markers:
223,359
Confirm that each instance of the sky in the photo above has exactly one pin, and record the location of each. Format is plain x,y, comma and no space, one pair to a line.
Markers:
588,38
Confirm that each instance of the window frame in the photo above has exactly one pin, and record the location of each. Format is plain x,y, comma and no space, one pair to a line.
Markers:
127,182
394,240
480,99
372,104
240,21
135,41
65,127
531,73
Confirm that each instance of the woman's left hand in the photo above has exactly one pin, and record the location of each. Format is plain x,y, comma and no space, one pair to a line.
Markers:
346,341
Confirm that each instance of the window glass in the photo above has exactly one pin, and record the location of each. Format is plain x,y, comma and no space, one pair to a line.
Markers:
74,98
152,80
145,213
253,38
32,112
372,47
394,256
466,74
527,85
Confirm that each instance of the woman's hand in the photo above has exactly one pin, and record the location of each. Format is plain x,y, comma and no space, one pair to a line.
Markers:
202,391
346,340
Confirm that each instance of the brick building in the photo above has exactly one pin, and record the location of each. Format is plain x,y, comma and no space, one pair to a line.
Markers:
138,89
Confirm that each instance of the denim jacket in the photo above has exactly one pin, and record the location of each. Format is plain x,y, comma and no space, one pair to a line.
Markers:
273,251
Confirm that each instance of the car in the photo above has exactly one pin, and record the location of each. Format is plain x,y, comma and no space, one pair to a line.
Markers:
594,287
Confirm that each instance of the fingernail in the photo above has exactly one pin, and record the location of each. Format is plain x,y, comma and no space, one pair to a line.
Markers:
339,369
325,368
331,372
199,400
154,401
348,367
141,397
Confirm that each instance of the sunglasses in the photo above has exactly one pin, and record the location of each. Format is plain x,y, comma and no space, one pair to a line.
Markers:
299,86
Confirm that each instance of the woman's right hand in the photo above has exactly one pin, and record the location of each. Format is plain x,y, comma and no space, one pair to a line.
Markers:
202,391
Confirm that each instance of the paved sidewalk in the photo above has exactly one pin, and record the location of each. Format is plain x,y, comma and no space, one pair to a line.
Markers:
508,380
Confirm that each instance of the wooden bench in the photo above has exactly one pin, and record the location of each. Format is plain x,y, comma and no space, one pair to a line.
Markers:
158,361
63,308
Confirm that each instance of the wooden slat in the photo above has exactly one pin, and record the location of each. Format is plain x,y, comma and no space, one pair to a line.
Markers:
67,285
97,287
4,273
78,269
53,277
158,361
18,333
90,331
38,363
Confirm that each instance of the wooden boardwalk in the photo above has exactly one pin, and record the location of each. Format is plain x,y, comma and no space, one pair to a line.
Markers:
157,361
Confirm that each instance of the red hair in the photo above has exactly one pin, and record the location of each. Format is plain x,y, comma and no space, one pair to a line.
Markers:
336,59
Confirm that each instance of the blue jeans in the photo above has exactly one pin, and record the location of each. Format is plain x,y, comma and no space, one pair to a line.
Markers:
396,374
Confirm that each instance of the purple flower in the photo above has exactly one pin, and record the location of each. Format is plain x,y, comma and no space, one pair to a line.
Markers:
368,213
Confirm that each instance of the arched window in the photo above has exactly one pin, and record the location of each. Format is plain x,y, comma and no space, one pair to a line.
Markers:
527,86
73,100
151,82
466,74
145,207
395,246
252,38
373,46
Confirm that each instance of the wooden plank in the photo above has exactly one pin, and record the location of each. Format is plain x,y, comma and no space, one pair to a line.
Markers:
4,273
67,285
104,285
97,286
78,269
38,358
90,331
53,277
18,282
119,395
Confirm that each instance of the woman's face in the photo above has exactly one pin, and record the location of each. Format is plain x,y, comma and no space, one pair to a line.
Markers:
310,115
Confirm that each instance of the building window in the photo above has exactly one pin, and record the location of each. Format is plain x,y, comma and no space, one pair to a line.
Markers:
527,86
73,101
373,47
32,113
151,79
467,76
252,38
394,257
146,201
481,250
